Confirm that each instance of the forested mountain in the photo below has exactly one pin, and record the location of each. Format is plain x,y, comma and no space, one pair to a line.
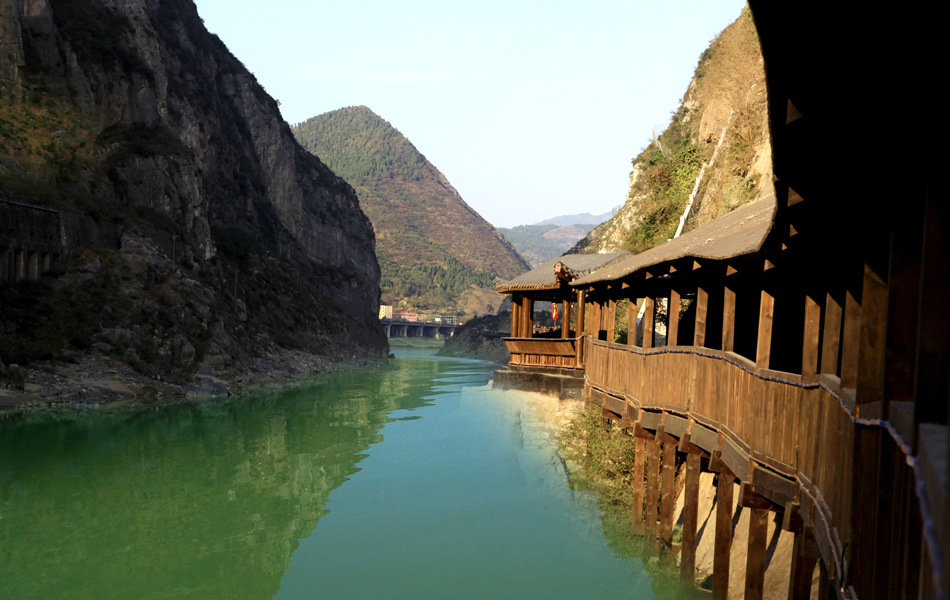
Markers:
435,252
192,232
725,106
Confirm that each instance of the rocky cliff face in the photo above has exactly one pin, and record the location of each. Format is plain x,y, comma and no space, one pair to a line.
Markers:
129,110
726,101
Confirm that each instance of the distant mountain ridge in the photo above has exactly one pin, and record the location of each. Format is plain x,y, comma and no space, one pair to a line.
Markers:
435,251
578,219
540,242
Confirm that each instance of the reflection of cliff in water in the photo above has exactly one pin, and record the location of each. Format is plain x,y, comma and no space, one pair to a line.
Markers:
192,501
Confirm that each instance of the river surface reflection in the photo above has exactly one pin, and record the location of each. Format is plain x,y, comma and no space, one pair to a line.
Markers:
412,482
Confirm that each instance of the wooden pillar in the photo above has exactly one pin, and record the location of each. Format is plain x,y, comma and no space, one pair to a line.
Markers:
594,320
755,559
515,316
633,307
831,338
528,310
799,583
565,319
850,340
673,319
690,520
653,486
723,544
810,338
825,590
649,321
702,305
668,492
763,349
871,352
639,457
579,327
610,318
729,319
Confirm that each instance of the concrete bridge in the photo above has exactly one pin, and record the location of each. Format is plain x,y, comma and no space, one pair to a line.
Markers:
437,327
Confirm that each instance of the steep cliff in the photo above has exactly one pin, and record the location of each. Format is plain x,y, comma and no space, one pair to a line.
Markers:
435,251
725,102
232,241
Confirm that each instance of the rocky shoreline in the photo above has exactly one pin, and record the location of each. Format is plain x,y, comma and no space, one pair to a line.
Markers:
95,379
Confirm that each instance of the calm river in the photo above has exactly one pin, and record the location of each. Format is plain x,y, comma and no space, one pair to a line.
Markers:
415,482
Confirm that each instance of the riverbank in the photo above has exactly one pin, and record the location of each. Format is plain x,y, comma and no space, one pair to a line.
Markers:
95,379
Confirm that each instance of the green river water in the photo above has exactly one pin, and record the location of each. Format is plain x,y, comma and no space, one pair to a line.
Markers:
412,482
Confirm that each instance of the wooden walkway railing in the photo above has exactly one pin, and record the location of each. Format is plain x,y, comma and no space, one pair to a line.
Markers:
543,352
794,444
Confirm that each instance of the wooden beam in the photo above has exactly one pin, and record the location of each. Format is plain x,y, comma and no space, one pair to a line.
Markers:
639,457
702,304
690,520
810,338
673,319
755,559
668,490
649,320
763,348
723,546
748,498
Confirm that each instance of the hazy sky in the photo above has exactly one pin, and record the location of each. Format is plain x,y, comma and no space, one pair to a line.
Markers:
531,108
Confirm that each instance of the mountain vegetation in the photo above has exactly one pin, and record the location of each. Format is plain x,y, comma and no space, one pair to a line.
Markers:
540,243
725,102
435,252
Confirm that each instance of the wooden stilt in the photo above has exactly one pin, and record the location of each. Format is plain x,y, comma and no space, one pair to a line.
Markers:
825,591
653,486
755,559
668,497
723,546
638,459
690,518
799,582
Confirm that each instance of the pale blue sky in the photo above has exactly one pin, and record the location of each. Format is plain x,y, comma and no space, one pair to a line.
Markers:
531,108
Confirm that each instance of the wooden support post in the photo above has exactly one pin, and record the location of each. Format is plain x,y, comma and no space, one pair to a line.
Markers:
763,349
632,309
668,491
639,456
799,582
653,486
702,305
649,320
580,328
850,340
515,316
825,591
729,319
565,319
871,352
723,544
595,319
690,520
528,317
755,559
673,319
610,316
810,337
831,338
